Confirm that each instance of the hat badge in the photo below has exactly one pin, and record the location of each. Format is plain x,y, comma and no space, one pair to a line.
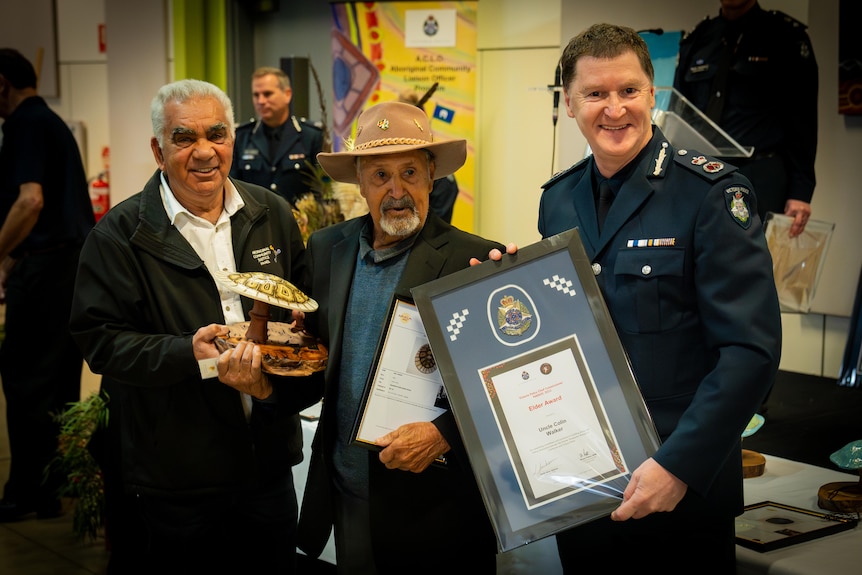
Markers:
383,124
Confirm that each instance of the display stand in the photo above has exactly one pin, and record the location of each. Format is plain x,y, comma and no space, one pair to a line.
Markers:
688,128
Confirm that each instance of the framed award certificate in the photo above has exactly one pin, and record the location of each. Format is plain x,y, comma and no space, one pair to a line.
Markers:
540,386
404,384
768,525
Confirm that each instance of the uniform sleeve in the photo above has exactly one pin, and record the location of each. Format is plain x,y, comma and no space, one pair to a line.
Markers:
740,318
112,319
801,138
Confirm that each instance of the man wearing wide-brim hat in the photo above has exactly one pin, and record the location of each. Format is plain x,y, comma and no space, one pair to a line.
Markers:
393,511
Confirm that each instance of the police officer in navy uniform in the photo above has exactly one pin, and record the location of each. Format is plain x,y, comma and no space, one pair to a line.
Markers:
275,149
732,67
683,266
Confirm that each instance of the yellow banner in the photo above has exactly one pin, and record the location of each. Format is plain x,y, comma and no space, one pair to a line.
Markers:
382,50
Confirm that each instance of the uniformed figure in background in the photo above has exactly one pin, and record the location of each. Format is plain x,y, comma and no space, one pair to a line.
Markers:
733,67
274,149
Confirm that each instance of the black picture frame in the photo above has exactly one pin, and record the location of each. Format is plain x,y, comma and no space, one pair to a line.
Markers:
768,525
477,324
404,383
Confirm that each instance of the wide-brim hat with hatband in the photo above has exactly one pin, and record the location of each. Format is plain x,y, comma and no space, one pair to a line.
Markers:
393,128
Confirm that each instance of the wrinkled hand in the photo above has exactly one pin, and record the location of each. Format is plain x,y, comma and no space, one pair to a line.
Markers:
496,254
800,212
651,489
203,341
412,447
240,368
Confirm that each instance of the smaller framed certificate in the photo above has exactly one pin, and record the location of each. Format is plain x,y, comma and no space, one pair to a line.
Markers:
404,384
767,525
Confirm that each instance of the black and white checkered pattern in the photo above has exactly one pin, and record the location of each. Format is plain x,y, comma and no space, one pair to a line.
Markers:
560,284
456,323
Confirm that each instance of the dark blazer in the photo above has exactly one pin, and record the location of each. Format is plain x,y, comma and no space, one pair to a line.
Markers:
413,515
683,265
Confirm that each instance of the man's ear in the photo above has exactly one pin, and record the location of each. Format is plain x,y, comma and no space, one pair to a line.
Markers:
157,152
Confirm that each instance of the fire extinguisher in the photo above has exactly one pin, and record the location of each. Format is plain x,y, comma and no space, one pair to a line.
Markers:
100,190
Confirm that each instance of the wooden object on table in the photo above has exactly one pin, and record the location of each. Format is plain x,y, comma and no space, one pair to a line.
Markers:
753,463
840,496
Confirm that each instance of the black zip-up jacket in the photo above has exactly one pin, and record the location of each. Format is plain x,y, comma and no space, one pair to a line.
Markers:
141,294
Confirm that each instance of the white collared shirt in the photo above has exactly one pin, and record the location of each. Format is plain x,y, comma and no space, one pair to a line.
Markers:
213,243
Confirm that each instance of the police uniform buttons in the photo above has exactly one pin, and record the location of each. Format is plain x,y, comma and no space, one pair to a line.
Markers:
597,268
296,166
273,187
646,270
273,169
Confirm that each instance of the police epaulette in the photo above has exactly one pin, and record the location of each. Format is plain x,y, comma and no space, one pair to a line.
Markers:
707,167
687,37
563,173
788,19
251,122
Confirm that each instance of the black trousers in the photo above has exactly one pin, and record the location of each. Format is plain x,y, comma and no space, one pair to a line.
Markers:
691,539
250,532
40,367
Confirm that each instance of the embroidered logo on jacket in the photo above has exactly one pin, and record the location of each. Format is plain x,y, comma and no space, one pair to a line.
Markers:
737,199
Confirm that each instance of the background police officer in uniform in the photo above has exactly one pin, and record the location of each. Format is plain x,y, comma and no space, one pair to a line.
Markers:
732,68
274,150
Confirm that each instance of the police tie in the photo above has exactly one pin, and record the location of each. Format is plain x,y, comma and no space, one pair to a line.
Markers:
273,136
606,198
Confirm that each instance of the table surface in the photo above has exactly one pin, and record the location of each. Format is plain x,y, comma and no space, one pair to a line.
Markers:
796,484
783,481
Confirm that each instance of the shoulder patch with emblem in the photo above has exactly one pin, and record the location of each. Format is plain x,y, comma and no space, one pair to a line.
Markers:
737,199
563,173
709,168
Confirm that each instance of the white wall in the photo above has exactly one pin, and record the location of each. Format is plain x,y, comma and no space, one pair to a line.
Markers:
518,50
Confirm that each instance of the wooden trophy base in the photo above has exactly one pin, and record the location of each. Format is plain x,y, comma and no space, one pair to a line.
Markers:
753,464
288,350
840,496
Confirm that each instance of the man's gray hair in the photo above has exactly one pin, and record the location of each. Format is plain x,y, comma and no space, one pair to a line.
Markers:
182,91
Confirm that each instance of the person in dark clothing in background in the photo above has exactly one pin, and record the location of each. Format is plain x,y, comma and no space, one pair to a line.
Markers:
46,213
730,68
